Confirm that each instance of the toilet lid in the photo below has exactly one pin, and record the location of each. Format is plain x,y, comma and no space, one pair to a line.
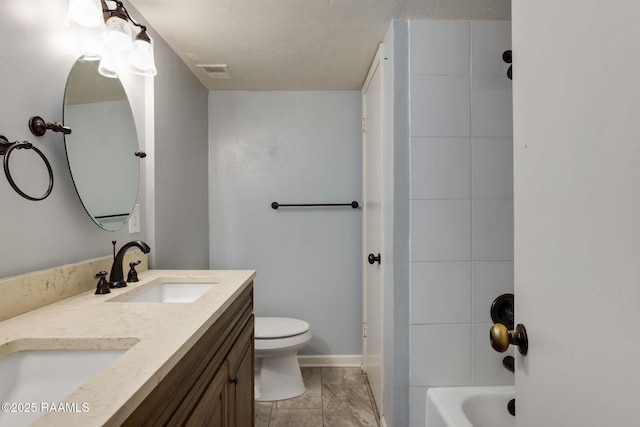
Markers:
279,327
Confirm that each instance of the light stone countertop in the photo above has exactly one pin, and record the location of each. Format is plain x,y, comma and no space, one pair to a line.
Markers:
157,335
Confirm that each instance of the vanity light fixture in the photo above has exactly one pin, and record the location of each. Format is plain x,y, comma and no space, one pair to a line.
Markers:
120,42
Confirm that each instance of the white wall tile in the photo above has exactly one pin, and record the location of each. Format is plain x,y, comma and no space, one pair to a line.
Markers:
487,363
440,230
492,230
492,168
440,292
439,47
490,280
440,168
489,40
447,230
417,406
491,107
440,355
440,106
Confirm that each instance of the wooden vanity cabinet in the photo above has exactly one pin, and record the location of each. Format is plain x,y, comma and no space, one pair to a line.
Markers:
212,385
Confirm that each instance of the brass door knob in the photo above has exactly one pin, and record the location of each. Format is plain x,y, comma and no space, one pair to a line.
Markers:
501,338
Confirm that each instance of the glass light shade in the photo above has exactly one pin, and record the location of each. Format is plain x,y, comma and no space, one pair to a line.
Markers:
141,58
118,36
107,69
87,13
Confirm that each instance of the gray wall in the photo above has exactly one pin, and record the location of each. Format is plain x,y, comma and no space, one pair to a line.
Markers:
181,225
36,56
37,52
291,147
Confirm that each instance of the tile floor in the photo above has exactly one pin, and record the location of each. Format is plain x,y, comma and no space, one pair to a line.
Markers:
334,397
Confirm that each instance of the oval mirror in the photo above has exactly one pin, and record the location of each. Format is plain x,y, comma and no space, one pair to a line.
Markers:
101,147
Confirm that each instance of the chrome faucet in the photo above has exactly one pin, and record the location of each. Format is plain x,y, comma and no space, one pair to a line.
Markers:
116,277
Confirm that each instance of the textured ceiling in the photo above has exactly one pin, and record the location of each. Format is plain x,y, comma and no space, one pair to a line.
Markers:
293,44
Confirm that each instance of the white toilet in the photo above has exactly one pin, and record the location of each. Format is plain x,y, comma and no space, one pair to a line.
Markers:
277,342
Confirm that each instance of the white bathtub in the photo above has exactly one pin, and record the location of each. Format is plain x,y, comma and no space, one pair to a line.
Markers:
469,407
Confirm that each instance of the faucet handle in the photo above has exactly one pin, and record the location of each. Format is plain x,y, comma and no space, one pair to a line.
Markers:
103,286
133,274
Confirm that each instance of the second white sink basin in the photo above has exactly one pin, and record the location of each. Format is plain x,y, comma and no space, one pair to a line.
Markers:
167,292
45,377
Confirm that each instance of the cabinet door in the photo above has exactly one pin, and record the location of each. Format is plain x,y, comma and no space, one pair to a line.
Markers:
211,410
241,393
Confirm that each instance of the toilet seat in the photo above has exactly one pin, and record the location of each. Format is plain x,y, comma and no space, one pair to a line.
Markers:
281,345
267,328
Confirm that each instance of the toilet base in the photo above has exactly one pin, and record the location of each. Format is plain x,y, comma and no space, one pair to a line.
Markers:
278,377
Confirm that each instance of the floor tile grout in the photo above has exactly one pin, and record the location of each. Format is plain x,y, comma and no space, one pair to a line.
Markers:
338,383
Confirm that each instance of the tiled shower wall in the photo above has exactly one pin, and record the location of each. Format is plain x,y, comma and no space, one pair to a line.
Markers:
461,202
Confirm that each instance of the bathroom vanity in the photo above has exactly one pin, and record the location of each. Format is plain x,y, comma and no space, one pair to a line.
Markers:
212,384
185,359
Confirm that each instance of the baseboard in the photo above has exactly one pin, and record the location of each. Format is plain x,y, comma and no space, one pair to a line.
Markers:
343,360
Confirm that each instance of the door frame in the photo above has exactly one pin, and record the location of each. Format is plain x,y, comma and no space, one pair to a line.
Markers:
376,65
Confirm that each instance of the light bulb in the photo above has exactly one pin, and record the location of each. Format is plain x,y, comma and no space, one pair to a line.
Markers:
87,13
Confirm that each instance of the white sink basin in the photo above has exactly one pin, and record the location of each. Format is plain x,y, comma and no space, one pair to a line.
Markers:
45,377
168,292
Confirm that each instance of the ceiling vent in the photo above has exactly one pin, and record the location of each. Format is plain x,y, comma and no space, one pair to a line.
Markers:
218,71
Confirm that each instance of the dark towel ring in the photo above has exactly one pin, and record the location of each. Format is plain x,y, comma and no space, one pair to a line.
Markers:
27,145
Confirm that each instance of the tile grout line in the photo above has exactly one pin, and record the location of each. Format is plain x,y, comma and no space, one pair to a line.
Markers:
322,397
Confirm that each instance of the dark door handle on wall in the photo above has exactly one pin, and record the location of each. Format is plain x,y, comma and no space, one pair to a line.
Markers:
373,258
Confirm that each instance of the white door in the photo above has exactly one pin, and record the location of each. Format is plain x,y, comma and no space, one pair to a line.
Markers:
576,89
372,228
